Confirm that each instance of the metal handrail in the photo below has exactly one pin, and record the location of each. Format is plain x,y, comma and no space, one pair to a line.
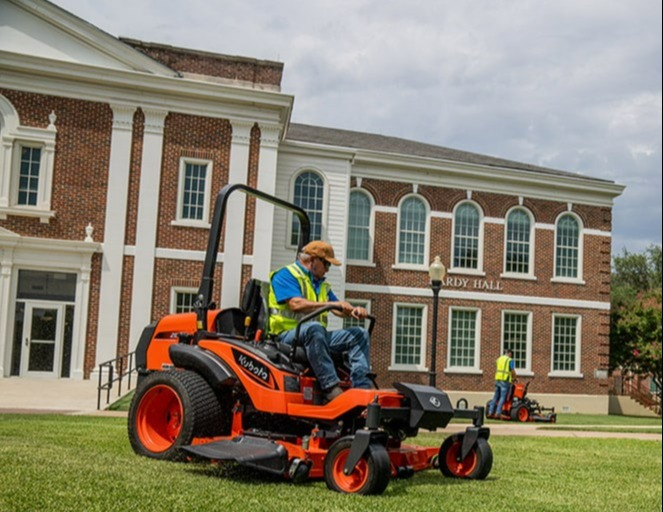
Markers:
117,370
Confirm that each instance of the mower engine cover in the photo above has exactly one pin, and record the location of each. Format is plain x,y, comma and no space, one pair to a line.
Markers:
430,408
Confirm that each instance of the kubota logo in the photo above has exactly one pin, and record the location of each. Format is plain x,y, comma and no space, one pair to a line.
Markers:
435,402
254,368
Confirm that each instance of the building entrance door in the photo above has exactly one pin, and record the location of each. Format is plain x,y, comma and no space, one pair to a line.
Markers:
43,330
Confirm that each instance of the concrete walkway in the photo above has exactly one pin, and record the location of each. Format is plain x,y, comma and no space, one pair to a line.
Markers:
65,396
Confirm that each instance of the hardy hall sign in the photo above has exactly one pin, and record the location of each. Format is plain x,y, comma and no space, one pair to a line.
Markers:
475,284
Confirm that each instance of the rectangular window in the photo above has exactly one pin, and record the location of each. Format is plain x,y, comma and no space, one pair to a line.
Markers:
193,200
359,226
515,335
182,300
193,203
28,179
463,339
565,344
409,336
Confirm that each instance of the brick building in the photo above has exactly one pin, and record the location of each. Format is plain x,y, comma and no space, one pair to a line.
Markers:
112,152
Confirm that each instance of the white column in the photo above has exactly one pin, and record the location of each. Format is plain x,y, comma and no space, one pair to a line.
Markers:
264,221
114,231
233,244
6,265
146,229
80,326
5,176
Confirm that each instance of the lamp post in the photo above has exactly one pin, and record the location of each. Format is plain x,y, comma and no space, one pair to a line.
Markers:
436,271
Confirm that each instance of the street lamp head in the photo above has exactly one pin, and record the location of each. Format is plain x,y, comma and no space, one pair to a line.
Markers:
437,270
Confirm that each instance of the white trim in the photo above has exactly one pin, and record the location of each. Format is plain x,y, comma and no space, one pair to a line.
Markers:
466,272
596,232
441,215
476,367
421,367
474,296
386,209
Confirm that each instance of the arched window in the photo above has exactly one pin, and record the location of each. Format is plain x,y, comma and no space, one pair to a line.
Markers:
467,223
412,231
518,242
308,194
567,245
359,226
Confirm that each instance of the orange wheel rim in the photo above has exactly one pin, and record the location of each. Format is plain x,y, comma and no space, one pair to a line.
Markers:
523,414
355,480
159,418
463,468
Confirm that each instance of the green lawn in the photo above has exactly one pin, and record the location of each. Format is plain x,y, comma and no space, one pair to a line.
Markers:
85,463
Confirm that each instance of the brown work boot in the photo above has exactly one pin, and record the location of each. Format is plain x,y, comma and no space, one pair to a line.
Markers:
332,393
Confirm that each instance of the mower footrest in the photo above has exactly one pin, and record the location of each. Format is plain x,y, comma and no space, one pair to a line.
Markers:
248,451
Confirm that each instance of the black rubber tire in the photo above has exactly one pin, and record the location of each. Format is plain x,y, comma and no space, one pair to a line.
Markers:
169,410
477,464
521,413
371,476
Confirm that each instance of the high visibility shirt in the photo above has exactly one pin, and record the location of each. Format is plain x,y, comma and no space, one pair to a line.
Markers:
503,368
281,318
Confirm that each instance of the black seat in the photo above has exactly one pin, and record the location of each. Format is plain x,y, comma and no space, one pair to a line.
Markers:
254,305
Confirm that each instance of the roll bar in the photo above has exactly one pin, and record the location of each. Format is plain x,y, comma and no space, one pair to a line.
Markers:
203,301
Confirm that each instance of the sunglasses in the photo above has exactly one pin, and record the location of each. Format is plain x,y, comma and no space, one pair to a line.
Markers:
325,263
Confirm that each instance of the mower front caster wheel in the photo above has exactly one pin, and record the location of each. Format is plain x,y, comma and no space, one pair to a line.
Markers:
370,476
476,465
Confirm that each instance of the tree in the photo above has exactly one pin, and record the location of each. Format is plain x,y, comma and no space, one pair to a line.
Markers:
635,334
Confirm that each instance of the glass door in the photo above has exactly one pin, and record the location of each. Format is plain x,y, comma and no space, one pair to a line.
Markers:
42,339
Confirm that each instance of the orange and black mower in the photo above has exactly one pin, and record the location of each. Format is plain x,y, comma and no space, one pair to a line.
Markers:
213,385
518,406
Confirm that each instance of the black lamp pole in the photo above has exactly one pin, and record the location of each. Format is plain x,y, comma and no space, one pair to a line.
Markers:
435,285
436,272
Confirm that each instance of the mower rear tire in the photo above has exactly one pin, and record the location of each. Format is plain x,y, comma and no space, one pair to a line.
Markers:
168,411
477,464
370,476
521,413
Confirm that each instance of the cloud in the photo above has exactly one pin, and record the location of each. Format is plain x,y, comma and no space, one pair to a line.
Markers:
565,84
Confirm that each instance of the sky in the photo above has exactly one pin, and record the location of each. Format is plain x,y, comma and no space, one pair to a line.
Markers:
573,85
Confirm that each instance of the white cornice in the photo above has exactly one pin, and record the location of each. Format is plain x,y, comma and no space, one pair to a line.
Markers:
323,150
67,79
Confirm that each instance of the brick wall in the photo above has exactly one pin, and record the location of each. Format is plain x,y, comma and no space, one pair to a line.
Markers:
212,64
80,172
